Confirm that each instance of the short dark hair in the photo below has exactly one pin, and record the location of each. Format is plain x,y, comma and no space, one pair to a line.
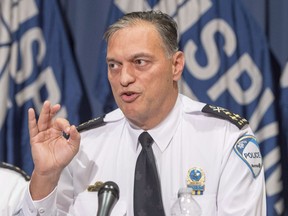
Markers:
164,24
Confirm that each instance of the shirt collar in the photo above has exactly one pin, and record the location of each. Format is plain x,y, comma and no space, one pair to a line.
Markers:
163,132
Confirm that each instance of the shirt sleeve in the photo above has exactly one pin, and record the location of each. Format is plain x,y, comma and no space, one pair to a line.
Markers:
43,207
13,187
241,192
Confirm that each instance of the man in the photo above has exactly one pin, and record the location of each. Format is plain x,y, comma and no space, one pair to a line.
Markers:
194,145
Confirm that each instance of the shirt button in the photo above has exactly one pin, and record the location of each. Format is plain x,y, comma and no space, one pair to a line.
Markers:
41,210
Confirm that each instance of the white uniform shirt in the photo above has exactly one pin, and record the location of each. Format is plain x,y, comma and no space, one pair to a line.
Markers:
187,138
12,190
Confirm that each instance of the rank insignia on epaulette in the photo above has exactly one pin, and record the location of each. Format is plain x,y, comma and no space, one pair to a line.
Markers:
235,119
93,123
196,180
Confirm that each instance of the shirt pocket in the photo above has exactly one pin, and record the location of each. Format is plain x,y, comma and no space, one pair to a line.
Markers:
207,204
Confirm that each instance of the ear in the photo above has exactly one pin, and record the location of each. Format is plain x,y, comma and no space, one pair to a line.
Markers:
178,65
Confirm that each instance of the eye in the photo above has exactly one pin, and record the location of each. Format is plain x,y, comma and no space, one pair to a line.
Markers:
113,65
140,62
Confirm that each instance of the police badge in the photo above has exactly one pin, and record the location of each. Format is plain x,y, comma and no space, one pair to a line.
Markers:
196,180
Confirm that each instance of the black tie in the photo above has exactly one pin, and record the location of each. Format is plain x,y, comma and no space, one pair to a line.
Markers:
147,190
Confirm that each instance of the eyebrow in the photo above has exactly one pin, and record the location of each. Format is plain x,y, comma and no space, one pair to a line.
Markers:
110,59
134,56
141,54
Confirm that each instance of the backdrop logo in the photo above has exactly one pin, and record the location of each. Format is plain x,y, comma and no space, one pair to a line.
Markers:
21,53
36,65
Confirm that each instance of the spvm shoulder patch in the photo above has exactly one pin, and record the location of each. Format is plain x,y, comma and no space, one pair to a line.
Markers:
93,123
248,150
225,114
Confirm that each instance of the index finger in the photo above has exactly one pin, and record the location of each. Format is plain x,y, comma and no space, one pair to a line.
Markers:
32,125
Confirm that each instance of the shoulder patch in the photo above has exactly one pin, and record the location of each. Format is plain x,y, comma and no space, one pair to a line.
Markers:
93,123
248,150
223,113
16,169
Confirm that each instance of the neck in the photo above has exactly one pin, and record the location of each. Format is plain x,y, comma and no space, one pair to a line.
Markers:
151,121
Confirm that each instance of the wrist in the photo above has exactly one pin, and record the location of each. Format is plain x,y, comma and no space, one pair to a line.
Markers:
42,185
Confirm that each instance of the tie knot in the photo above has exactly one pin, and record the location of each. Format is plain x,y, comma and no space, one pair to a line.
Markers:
145,139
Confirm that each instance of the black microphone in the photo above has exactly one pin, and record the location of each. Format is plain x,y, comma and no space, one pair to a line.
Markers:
108,195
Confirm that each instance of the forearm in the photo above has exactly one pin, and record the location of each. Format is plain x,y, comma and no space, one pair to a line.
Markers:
42,185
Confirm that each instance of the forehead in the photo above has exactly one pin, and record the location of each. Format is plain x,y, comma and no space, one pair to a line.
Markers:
136,28
139,34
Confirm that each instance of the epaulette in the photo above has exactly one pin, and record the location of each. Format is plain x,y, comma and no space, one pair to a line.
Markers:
93,123
223,113
16,169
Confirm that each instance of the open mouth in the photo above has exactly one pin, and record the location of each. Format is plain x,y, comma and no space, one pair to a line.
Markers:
129,96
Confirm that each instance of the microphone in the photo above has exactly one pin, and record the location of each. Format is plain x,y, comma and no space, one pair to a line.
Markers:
108,195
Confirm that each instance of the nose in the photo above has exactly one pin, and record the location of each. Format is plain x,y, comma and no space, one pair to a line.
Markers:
127,75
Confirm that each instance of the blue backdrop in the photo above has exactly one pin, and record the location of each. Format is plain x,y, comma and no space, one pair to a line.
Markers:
236,57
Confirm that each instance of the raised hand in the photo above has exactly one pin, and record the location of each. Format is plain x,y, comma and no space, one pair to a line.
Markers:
51,151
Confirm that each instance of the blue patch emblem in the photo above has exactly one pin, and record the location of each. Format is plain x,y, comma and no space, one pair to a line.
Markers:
247,149
196,180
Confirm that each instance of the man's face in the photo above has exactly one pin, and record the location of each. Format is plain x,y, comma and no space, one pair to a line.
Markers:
142,76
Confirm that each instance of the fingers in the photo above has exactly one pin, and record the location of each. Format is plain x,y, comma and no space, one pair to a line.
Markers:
71,132
32,125
61,124
46,115
74,138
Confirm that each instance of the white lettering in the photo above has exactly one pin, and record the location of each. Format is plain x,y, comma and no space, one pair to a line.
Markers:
130,6
272,158
274,183
279,206
31,37
209,45
4,53
284,77
13,15
188,14
186,90
229,81
47,79
4,100
263,105
268,131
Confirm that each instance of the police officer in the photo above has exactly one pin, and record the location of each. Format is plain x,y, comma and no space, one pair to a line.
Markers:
207,148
